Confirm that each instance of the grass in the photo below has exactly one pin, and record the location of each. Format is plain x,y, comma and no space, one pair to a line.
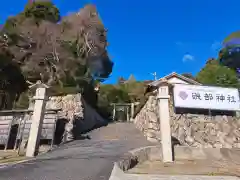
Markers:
12,159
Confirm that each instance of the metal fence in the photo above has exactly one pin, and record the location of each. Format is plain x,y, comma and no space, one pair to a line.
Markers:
15,126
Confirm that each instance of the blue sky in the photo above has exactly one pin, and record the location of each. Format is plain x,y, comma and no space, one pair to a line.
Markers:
156,35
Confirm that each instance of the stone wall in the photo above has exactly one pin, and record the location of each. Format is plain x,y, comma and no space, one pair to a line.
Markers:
77,115
80,116
147,120
75,118
191,129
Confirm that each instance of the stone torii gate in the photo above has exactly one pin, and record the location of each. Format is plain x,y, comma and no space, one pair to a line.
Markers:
125,106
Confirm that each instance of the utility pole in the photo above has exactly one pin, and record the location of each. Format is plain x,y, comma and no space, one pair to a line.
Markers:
155,75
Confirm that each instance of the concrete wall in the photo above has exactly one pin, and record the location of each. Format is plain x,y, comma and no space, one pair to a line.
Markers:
191,129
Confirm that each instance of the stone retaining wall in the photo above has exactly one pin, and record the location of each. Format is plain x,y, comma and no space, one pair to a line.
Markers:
75,118
147,120
190,129
80,116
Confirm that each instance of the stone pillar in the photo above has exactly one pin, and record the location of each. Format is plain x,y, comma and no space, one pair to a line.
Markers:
127,109
165,128
238,114
37,121
132,111
114,111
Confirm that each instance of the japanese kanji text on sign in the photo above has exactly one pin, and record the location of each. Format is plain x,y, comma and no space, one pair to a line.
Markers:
206,97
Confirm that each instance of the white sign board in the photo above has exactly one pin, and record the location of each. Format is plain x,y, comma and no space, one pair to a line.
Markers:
206,97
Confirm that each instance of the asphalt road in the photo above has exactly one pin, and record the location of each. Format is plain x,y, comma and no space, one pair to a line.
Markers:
81,159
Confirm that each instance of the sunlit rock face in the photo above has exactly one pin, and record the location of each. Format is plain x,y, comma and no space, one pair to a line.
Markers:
71,110
71,106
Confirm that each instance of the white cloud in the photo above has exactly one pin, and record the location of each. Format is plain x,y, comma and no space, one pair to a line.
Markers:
188,57
179,43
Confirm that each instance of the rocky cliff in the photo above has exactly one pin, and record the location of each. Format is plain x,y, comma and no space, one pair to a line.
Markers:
191,129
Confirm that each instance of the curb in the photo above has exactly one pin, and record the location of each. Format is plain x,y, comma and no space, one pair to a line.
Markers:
8,164
144,153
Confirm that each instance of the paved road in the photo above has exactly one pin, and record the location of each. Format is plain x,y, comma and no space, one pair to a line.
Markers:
82,159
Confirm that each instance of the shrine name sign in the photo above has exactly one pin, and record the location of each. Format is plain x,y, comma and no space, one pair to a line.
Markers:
206,97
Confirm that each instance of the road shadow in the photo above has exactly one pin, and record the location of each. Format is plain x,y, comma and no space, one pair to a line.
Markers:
175,142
